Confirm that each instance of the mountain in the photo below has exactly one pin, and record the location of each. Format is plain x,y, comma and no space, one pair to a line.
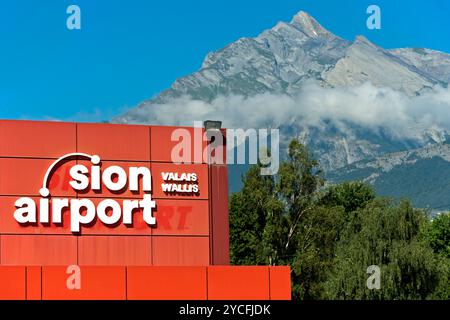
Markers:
422,175
283,62
431,61
282,58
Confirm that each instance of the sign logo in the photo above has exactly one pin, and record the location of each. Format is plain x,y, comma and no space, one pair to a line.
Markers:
108,211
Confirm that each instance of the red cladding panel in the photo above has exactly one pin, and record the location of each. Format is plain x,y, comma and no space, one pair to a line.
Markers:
201,171
180,251
97,283
181,217
220,220
114,250
163,146
166,283
280,283
36,139
125,191
114,141
144,283
238,283
9,225
12,281
34,283
37,250
25,177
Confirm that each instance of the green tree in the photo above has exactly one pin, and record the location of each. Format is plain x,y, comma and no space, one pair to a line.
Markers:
351,195
438,234
316,238
330,235
319,232
386,235
255,217
298,181
273,219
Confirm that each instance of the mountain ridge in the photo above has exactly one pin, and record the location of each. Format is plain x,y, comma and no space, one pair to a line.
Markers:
287,38
284,59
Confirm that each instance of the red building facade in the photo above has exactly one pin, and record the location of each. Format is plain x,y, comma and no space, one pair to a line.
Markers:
182,254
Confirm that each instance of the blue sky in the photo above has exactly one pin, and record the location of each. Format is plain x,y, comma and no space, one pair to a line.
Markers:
127,51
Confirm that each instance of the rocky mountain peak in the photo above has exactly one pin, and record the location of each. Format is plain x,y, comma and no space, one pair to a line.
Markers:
290,55
307,24
361,40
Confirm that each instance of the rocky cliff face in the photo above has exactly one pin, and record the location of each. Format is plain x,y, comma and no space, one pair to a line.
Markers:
283,59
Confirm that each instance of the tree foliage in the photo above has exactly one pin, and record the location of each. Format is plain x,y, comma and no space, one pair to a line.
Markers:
330,235
388,236
438,234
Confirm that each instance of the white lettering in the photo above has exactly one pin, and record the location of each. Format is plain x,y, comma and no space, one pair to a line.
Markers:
102,214
135,173
80,179
110,173
76,219
26,210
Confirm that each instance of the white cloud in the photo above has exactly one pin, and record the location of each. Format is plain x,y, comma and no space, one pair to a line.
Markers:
367,106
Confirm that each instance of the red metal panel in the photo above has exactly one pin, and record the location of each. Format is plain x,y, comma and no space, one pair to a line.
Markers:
114,141
138,283
220,221
36,139
97,283
8,225
280,283
114,250
38,250
166,283
25,177
181,217
162,144
238,283
12,280
105,192
201,170
181,238
34,283
180,251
